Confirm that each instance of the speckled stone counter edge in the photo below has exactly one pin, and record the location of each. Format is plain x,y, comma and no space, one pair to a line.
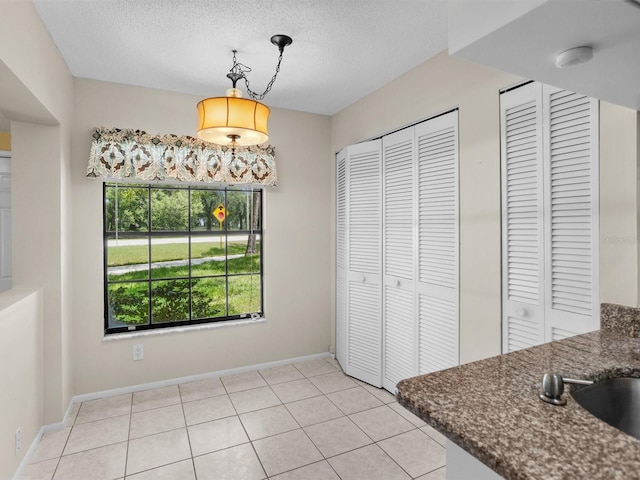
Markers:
616,321
620,319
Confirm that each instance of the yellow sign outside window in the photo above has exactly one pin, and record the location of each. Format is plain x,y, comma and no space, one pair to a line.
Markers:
219,213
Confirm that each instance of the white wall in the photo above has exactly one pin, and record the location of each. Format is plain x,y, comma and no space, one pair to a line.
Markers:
36,95
37,242
297,251
21,371
619,204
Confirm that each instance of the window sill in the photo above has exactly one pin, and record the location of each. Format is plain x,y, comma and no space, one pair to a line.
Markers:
185,329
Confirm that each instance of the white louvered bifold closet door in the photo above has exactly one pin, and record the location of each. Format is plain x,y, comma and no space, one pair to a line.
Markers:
571,207
438,232
399,326
341,258
522,218
364,238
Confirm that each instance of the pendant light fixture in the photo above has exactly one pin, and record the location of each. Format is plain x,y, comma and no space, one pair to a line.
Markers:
237,121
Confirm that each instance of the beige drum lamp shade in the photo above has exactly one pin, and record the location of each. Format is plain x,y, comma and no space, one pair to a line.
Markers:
224,119
237,121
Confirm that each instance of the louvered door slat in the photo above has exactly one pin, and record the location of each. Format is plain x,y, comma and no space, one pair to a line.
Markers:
521,334
399,343
364,212
341,257
364,247
571,139
522,229
430,206
399,336
438,334
437,242
561,333
398,204
523,197
341,213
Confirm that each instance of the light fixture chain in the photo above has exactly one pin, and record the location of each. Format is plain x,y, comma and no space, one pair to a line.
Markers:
260,96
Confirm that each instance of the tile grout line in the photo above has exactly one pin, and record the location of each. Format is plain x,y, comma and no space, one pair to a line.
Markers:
324,458
75,424
253,447
300,427
126,456
376,442
373,442
186,427
55,470
394,460
312,442
434,470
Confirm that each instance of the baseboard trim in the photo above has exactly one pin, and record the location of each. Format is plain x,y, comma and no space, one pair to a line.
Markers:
193,378
148,386
29,454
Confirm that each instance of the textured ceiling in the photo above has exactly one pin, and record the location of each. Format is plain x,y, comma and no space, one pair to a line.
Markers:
342,49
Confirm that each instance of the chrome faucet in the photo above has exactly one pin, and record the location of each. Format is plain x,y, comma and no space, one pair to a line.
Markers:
553,387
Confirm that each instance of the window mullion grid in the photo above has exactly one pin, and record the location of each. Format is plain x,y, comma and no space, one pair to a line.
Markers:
149,231
105,241
190,233
189,282
251,234
226,254
261,272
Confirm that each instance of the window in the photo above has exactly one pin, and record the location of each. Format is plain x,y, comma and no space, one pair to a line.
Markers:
180,255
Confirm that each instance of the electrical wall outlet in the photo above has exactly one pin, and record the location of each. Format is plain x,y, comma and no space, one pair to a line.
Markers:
138,352
18,441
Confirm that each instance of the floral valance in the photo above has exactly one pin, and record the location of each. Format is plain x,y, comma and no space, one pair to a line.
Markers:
137,155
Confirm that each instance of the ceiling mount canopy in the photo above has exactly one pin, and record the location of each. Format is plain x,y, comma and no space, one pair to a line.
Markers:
233,120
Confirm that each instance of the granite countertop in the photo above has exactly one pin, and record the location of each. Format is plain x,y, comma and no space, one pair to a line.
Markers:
491,408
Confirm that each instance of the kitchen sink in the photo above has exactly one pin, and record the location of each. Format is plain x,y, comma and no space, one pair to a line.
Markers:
615,401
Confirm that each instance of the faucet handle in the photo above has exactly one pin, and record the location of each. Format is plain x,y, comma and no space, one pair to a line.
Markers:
553,387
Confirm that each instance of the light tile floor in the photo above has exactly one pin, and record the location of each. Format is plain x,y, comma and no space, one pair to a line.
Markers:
304,421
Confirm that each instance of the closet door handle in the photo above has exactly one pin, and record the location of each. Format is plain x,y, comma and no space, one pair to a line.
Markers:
396,283
363,279
521,312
